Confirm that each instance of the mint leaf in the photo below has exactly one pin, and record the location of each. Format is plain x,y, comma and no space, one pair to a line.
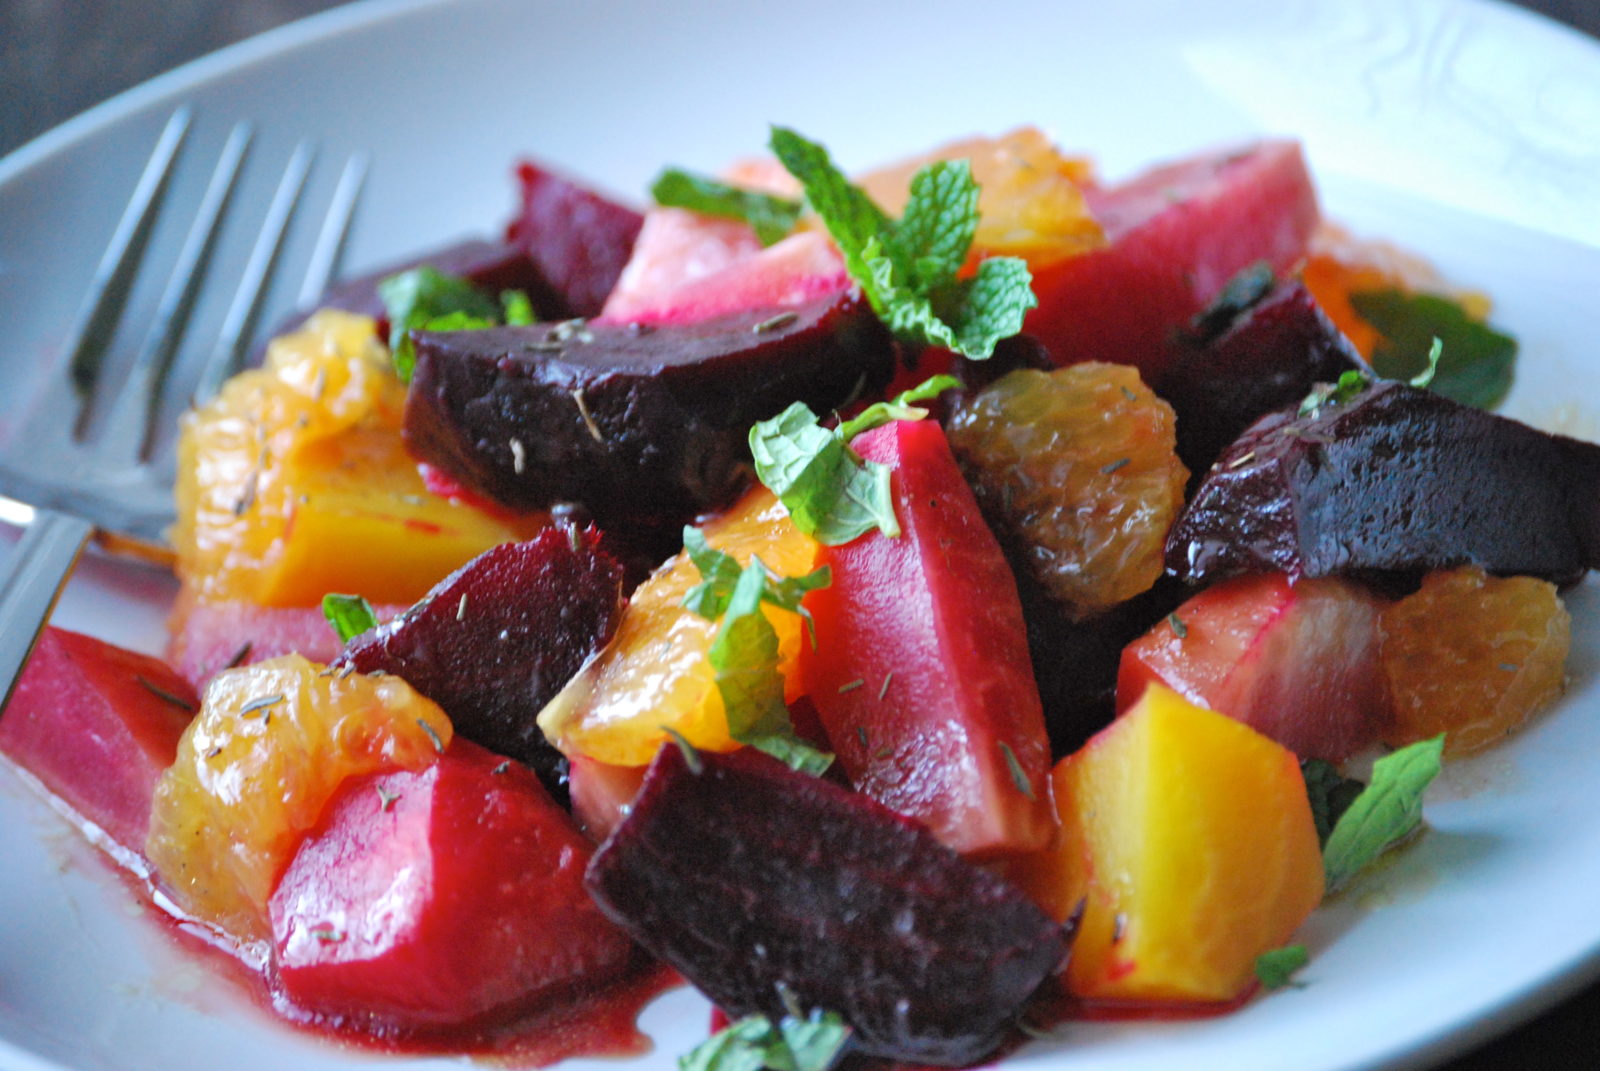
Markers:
831,494
749,1044
415,297
1330,792
516,309
1349,387
1241,293
992,305
744,651
350,615
931,242
1388,811
908,268
1275,967
1477,362
772,218
1424,379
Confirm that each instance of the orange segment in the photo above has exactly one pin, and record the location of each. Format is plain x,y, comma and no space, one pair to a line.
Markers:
1031,204
1082,465
654,674
293,482
1188,838
270,746
1473,656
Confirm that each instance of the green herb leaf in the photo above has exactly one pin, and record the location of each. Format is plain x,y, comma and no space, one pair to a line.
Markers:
1241,293
1349,387
812,1044
1477,362
772,218
516,309
1330,792
744,650
414,298
1388,811
831,494
1275,967
1424,379
908,269
350,615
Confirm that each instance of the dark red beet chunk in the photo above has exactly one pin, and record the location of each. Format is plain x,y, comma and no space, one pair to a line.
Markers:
578,240
1268,357
1397,481
755,881
496,640
638,424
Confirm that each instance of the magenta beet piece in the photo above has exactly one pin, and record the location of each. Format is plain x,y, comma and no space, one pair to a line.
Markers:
766,887
638,424
1396,481
578,240
97,725
493,642
1268,355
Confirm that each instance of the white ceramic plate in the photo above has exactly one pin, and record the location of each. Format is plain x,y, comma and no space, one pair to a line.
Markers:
1461,129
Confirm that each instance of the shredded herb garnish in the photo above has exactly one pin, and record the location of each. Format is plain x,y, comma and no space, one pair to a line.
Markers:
1019,778
161,693
691,754
1179,629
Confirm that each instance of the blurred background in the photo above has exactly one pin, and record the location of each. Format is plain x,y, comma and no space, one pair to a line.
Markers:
60,57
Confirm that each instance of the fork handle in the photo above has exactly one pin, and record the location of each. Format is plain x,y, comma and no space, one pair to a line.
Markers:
34,576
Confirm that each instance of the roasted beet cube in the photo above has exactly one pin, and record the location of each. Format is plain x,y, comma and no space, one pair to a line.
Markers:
577,239
640,424
767,887
1268,356
493,642
1395,481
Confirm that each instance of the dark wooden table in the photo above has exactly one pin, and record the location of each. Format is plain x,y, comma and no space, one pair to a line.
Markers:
58,57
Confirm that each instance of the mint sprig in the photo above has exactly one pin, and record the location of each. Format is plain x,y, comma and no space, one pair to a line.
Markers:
427,299
1388,811
831,494
910,269
744,651
814,1043
1330,792
349,615
772,218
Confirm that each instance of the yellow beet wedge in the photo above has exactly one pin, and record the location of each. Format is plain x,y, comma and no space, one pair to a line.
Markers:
1189,840
655,674
293,482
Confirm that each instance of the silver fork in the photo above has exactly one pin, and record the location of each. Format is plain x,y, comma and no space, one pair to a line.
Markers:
83,466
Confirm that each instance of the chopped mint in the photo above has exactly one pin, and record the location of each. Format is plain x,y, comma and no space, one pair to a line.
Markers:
516,309
831,494
1275,967
1477,362
415,298
814,1043
1330,792
772,218
1424,379
744,651
350,615
1387,812
1350,385
909,269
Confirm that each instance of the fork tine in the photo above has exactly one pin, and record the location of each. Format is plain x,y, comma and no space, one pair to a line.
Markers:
248,299
125,436
325,256
113,279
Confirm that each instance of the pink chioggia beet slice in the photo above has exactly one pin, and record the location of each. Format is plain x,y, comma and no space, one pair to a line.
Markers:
496,640
438,898
921,675
216,636
577,239
97,725
1175,236
766,887
1297,662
